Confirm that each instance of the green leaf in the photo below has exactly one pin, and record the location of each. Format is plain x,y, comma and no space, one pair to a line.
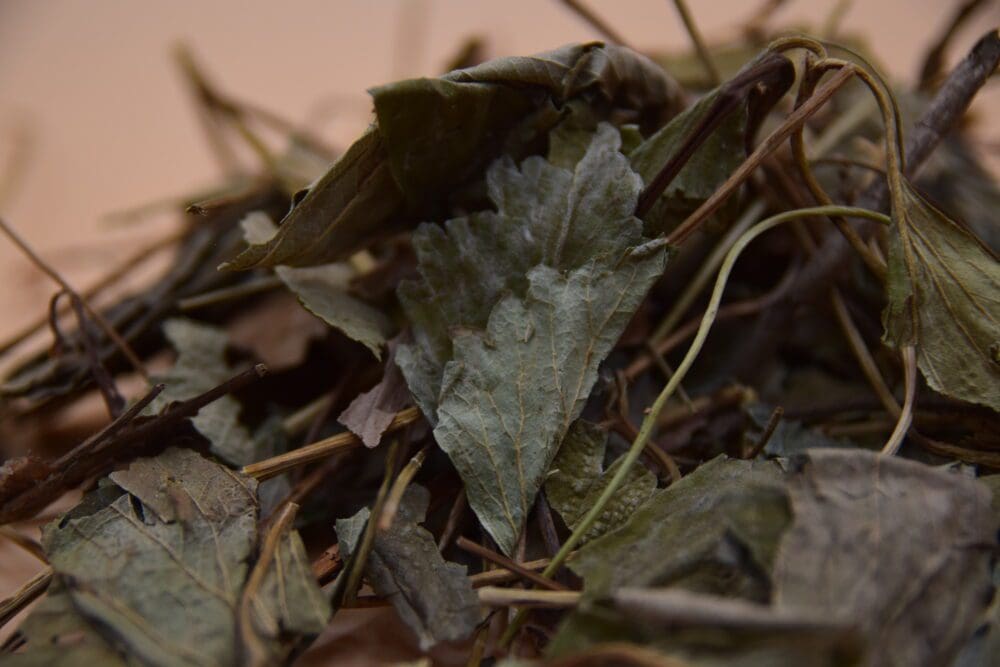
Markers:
201,365
900,549
323,291
432,135
515,311
714,531
578,478
158,571
433,597
943,293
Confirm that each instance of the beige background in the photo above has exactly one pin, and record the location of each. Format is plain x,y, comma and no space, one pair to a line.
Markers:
88,89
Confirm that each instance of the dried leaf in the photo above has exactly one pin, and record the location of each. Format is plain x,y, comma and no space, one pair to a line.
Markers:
369,414
515,311
323,291
201,365
158,571
943,293
577,479
898,548
715,531
434,134
289,601
433,597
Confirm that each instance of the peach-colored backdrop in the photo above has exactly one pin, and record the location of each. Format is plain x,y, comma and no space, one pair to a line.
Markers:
89,91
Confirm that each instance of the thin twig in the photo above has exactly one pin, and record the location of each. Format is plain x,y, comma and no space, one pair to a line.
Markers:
399,486
595,22
699,44
909,355
451,525
320,450
765,437
232,293
25,595
54,275
503,561
492,596
862,354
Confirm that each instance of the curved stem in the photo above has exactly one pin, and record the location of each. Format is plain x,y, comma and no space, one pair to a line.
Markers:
906,416
650,421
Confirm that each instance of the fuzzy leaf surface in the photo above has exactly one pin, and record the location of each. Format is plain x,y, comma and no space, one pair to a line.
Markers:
515,311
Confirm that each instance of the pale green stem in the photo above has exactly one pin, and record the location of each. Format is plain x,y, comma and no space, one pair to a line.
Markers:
652,417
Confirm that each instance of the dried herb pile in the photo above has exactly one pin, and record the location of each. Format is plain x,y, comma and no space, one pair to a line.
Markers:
586,357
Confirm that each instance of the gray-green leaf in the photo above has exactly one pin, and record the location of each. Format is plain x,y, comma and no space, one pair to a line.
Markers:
201,365
898,548
433,597
943,294
434,134
515,311
578,478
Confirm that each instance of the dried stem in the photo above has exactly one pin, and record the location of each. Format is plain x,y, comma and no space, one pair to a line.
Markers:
905,418
399,486
492,596
54,275
320,450
25,595
503,561
595,22
699,44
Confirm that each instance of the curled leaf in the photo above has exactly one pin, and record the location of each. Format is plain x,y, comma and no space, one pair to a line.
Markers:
943,294
432,135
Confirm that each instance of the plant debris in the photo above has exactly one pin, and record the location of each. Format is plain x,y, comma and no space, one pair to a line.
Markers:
519,417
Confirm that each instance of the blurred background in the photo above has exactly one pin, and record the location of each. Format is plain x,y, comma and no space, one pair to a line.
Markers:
95,117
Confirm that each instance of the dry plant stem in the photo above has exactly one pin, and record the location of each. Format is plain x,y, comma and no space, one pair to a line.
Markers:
503,561
861,353
693,288
54,275
107,280
699,44
319,450
806,87
256,651
451,525
25,595
403,480
367,542
596,22
235,292
650,421
905,418
772,424
930,72
24,542
504,576
769,145
516,597
727,312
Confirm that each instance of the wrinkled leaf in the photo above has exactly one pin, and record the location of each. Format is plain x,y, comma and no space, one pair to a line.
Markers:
369,414
898,548
434,134
433,597
57,635
715,531
515,311
578,478
201,365
158,571
943,293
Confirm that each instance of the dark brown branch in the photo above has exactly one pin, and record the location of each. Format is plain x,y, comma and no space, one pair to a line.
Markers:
499,559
